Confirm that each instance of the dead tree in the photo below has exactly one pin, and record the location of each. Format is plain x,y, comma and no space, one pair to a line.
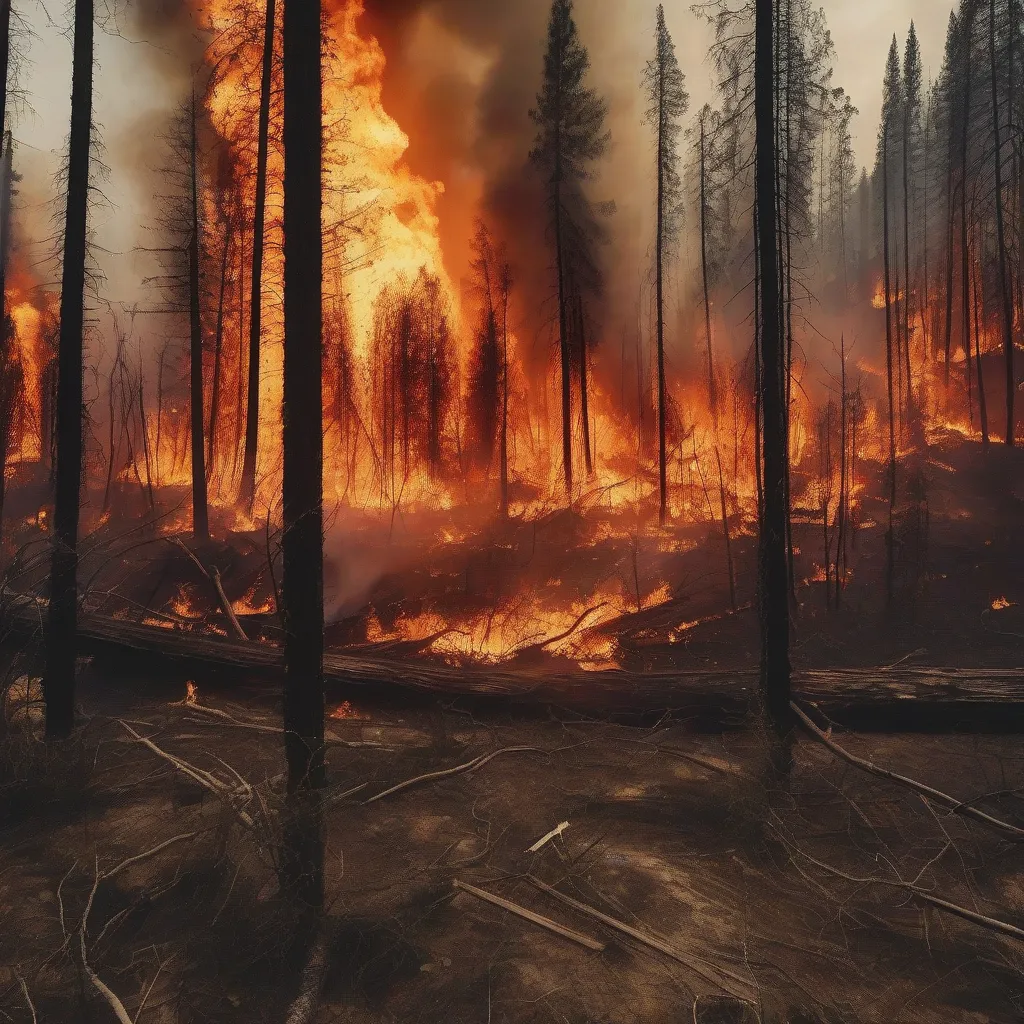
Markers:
505,287
218,349
200,511
485,369
773,572
1004,286
911,118
302,542
62,622
890,107
668,102
247,492
11,377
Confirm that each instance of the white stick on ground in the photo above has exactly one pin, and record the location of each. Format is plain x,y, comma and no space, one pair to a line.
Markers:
545,839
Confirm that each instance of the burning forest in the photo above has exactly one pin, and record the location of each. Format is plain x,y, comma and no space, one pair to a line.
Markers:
653,367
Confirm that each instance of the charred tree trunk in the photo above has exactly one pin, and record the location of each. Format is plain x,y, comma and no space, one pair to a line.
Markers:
1004,287
773,572
62,621
888,353
9,366
563,331
982,405
907,315
844,489
218,352
302,543
758,411
506,285
200,511
948,336
247,493
659,257
712,388
584,400
965,266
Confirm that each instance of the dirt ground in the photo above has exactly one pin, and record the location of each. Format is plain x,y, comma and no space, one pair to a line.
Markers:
675,833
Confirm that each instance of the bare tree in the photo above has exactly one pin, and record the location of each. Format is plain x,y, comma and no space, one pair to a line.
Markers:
252,414
773,570
302,543
62,623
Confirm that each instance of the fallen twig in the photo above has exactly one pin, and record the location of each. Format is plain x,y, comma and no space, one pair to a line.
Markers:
203,778
28,997
469,766
973,916
97,983
222,598
733,984
956,806
545,839
529,915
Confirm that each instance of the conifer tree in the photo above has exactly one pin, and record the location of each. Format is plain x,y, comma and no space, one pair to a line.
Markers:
667,103
571,135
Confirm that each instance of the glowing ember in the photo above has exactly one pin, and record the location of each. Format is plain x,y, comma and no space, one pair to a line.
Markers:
1002,603
346,712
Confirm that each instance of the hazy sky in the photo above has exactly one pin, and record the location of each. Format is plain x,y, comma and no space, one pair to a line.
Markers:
128,91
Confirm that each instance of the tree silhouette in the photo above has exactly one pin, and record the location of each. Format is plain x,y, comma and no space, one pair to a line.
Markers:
668,102
570,118
62,623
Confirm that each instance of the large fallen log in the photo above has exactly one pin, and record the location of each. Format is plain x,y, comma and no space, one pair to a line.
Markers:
870,699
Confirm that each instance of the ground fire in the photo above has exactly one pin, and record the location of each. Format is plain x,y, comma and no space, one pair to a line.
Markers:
613,451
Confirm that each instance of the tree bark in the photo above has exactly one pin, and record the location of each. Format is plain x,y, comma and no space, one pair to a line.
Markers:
774,602
218,352
10,386
584,399
712,388
982,404
247,492
888,354
660,299
62,622
302,544
907,316
949,245
1004,288
200,511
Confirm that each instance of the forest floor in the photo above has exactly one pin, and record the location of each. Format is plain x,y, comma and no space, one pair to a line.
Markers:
680,834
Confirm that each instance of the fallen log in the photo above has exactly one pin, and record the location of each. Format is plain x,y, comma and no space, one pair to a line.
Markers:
898,699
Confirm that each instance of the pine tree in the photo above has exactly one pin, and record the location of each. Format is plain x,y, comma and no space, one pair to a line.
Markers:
570,118
668,102
911,128
62,623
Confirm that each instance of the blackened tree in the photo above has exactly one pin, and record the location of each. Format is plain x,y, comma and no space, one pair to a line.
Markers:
668,101
570,119
62,622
